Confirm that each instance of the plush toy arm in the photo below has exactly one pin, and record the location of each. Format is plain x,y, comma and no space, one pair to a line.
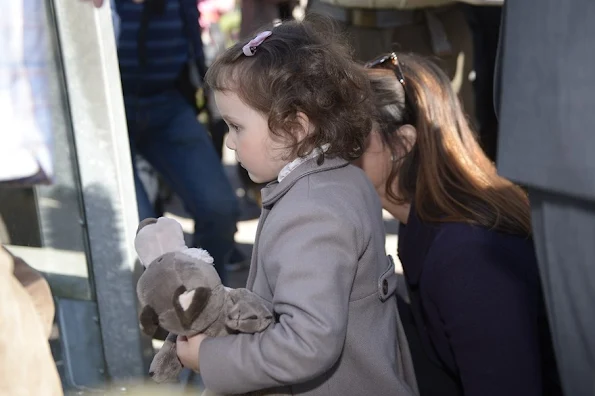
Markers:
247,312
166,366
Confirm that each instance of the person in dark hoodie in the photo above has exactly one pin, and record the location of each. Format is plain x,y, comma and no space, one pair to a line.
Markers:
161,65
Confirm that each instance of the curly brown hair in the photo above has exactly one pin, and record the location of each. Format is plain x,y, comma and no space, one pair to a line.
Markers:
303,67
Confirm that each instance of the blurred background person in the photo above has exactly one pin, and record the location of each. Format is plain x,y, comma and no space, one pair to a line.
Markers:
162,62
433,28
544,89
460,38
26,159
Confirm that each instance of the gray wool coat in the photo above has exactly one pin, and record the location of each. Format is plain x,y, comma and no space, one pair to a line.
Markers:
319,259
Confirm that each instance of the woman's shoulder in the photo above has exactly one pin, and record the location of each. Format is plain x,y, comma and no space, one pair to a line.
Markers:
464,248
452,237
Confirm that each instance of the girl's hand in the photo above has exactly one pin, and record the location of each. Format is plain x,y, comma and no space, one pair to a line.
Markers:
187,349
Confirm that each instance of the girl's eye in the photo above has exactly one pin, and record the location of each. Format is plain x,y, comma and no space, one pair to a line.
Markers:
234,127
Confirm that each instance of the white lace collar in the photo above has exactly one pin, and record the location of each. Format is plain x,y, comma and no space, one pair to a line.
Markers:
300,160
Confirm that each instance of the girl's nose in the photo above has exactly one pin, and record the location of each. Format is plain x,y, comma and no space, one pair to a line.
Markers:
229,142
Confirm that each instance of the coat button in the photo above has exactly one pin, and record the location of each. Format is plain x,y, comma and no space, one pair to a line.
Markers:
385,287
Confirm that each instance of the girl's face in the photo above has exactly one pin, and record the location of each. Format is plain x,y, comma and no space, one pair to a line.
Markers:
249,136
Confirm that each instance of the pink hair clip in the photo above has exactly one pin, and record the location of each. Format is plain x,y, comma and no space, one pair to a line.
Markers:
250,48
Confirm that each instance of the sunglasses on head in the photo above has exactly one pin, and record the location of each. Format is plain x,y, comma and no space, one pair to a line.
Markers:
390,60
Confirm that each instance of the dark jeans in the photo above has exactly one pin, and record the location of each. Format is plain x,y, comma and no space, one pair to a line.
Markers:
164,130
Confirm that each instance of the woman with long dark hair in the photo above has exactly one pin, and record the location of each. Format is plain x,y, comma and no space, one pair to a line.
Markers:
464,240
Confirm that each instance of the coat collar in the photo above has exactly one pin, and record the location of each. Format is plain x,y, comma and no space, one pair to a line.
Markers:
415,241
273,191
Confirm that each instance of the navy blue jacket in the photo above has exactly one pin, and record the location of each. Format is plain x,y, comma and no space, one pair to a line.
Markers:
478,308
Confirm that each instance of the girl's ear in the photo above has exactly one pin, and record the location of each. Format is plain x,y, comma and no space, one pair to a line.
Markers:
306,127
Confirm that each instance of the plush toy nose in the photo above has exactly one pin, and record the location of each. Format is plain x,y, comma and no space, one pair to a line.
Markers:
151,374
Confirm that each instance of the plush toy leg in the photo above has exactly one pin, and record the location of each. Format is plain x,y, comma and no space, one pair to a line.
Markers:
247,312
166,366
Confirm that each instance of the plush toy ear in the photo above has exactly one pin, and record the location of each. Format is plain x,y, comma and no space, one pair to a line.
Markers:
156,238
149,320
146,222
190,303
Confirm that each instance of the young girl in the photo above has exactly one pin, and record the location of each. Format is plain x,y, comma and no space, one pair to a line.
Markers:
464,241
298,113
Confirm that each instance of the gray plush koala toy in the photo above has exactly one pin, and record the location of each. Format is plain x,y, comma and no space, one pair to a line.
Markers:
181,292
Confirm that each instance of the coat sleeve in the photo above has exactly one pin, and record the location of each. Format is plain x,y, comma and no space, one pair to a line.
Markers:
489,311
310,262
